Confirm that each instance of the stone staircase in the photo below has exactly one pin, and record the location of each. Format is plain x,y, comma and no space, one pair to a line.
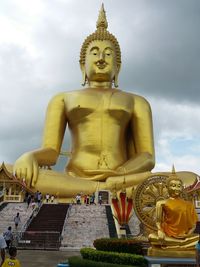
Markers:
45,229
83,225
8,213
3,205
51,217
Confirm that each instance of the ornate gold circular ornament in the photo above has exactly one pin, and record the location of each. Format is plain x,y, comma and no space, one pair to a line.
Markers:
146,195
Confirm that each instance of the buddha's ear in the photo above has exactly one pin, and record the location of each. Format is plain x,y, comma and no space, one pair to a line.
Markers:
116,76
84,77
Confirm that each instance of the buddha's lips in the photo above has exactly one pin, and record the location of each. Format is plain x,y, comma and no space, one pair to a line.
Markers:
101,65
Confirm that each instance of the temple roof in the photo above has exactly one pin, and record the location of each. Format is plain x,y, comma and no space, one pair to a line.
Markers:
7,176
194,187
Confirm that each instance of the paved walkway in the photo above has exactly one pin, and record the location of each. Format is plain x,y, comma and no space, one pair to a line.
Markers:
43,258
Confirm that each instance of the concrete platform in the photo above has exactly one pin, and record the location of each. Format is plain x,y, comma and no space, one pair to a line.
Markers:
43,258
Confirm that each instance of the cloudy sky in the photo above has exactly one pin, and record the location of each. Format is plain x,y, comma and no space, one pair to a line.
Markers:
40,42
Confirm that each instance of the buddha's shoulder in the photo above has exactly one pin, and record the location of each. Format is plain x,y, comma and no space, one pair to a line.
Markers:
138,99
64,94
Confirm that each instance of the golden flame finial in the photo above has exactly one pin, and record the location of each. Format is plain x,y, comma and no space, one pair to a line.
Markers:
114,192
173,176
102,21
173,169
124,185
173,173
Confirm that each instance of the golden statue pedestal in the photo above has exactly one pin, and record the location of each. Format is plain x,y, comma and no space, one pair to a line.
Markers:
171,253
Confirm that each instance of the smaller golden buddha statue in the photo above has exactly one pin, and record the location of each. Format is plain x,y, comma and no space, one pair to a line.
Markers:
176,220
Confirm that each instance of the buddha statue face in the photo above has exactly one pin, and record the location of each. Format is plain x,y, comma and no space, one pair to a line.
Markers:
100,56
175,187
100,62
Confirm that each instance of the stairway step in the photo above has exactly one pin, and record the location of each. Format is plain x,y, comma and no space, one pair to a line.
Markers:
49,219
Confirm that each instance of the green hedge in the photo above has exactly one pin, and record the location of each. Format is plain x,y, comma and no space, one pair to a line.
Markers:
113,257
77,261
118,245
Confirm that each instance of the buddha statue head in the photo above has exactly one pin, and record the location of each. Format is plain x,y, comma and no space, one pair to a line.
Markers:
100,56
174,184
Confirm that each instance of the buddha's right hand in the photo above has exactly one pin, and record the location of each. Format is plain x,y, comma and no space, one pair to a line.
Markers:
161,235
26,168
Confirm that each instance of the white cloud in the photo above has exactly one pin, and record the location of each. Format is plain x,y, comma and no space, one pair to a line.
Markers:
177,135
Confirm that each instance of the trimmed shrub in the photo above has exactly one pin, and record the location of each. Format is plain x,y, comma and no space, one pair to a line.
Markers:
113,257
77,261
118,245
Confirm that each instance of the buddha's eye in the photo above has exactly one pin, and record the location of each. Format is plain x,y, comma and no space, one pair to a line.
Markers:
94,51
108,52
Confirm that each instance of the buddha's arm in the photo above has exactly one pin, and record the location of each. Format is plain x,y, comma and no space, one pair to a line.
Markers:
159,218
27,166
194,217
143,158
55,125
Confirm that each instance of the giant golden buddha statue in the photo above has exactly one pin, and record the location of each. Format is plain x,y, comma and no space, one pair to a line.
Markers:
112,133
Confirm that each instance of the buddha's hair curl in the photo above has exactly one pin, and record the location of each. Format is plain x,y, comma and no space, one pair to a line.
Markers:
100,34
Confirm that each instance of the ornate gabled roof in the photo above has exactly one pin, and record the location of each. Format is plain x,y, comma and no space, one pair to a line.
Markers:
194,187
4,169
9,177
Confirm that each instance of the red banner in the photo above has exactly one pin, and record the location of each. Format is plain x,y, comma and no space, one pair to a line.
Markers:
129,209
123,208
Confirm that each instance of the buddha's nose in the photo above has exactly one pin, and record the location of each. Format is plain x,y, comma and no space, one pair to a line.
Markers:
101,57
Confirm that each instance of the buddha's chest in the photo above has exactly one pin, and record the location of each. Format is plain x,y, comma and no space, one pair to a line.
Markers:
174,208
108,105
